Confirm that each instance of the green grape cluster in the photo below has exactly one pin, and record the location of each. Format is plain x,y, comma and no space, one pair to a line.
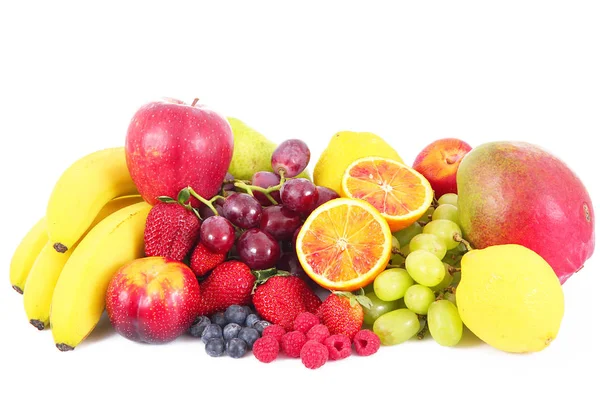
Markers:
416,292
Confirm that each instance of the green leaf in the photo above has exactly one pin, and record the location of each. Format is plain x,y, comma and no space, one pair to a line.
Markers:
183,196
166,199
364,301
197,213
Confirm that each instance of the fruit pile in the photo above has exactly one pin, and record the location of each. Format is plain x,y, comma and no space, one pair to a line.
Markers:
200,225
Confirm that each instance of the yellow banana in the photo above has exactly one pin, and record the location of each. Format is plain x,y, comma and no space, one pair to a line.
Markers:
79,296
48,266
81,192
26,253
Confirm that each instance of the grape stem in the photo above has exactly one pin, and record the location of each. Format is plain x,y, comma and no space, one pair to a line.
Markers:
397,251
250,188
452,270
207,203
458,238
422,332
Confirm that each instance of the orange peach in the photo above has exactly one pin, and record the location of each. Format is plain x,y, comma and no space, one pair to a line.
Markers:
439,161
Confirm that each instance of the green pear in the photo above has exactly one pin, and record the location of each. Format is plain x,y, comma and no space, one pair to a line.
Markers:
251,151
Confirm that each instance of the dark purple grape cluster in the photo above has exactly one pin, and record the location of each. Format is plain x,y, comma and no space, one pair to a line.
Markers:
257,222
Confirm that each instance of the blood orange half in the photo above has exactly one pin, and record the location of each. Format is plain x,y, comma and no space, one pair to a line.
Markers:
401,194
344,244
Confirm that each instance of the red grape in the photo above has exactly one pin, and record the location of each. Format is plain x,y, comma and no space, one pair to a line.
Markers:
289,262
266,179
217,234
258,249
242,210
291,157
280,222
299,195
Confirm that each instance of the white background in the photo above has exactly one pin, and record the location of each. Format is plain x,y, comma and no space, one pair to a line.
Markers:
72,75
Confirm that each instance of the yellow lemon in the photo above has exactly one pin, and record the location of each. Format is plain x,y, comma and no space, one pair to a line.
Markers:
510,298
343,149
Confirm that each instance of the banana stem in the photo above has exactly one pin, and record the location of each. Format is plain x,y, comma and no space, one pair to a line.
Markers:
203,200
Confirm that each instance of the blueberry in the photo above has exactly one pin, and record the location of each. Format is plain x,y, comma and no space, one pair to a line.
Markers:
251,319
231,331
215,347
198,326
212,331
236,314
249,335
261,325
248,310
219,319
236,348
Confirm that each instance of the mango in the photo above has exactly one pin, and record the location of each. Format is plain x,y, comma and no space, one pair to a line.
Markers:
519,193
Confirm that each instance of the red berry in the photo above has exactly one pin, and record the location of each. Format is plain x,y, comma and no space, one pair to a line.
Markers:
304,321
314,354
171,231
266,349
318,333
203,260
366,342
339,346
292,342
276,331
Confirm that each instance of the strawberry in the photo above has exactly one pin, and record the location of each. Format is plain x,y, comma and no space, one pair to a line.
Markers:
282,297
203,260
229,283
171,231
342,313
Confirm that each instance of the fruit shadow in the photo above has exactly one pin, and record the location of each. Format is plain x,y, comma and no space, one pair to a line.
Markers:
469,339
102,331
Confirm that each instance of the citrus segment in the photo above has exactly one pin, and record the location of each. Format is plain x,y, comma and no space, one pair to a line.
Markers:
344,244
398,192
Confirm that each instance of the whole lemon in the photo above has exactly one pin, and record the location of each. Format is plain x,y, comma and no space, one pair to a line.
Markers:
343,149
510,298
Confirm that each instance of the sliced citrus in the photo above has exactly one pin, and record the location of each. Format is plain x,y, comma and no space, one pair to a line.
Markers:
344,244
398,192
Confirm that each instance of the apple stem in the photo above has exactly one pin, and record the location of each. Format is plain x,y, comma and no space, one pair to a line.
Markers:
458,238
195,101
203,200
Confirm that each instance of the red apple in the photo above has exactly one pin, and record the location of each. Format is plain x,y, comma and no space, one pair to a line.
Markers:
439,161
171,145
153,300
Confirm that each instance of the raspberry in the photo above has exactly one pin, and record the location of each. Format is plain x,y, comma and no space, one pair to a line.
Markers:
277,331
314,354
339,346
304,321
318,333
292,342
266,349
366,342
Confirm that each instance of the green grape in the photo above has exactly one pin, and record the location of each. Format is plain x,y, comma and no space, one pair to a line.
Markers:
396,326
449,198
395,243
392,283
444,323
378,308
445,230
368,288
446,211
418,298
425,268
445,282
404,235
427,216
451,297
430,243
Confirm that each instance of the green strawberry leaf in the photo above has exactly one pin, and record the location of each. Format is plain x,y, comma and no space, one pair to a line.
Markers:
364,301
263,275
183,196
165,199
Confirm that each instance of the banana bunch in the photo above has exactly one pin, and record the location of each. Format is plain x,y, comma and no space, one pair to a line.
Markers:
94,224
